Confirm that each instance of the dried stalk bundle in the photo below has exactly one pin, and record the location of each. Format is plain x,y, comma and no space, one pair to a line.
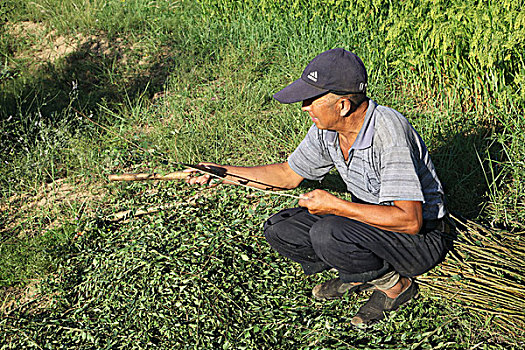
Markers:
178,175
486,271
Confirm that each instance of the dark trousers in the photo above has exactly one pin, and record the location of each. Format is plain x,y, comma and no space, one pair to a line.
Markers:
359,252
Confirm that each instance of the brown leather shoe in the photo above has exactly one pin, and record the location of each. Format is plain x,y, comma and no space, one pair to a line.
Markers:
335,288
380,304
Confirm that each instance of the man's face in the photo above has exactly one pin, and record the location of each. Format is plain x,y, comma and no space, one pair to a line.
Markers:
323,112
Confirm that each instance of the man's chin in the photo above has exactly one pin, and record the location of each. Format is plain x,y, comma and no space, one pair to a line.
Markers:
320,126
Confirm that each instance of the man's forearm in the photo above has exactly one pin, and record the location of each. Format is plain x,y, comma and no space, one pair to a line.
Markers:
402,219
271,176
403,216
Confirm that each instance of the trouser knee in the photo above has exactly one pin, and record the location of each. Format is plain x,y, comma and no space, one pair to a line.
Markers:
283,232
271,228
287,232
270,234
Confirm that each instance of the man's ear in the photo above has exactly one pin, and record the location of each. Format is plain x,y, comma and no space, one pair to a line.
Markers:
345,107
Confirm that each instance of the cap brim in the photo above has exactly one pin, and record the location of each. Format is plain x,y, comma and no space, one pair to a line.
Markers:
297,91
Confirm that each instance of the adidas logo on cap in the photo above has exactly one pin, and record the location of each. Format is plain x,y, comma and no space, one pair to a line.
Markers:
313,76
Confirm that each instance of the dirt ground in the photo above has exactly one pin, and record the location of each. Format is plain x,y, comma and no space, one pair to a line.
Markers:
40,45
55,203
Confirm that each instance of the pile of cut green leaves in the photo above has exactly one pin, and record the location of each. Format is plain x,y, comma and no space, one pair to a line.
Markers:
202,276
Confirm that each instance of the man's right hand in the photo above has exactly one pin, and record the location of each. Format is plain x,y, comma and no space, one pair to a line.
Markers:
270,176
205,179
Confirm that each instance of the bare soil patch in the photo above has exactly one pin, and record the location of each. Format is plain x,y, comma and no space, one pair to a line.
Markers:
44,45
28,298
55,203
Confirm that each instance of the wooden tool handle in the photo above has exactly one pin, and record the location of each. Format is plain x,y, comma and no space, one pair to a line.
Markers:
178,175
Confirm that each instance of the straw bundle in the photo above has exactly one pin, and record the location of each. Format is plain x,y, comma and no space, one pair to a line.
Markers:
486,271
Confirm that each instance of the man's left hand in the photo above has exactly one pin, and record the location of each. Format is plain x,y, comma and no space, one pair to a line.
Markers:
319,202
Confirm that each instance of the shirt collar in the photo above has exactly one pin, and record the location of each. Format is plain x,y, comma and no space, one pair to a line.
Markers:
366,134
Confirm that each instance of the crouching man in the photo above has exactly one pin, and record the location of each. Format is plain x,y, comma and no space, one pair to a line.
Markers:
393,229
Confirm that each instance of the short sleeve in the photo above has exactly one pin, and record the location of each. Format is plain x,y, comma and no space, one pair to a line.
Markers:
311,159
399,178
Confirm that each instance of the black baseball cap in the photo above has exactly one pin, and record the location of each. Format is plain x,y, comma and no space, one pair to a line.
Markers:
336,70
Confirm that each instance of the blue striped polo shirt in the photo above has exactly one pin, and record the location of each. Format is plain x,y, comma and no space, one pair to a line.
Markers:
388,162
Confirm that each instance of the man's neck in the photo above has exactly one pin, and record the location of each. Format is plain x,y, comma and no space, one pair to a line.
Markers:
353,124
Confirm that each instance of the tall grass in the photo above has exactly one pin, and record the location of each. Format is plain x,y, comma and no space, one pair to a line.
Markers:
194,81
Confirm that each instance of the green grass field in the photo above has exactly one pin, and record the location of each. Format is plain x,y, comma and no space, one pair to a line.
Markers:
192,81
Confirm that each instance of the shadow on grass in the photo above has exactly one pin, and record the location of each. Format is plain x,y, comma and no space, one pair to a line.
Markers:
460,163
96,77
98,72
